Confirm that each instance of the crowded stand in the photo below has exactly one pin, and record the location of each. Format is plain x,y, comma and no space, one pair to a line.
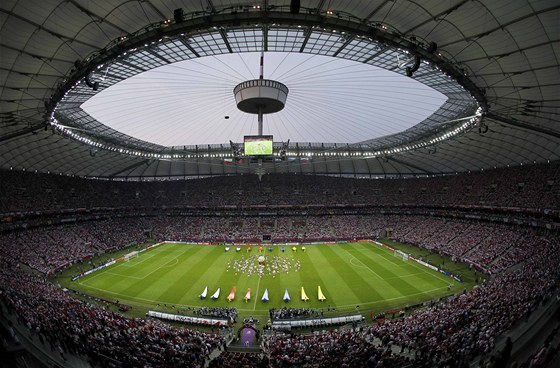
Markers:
469,323
522,260
353,227
287,228
535,187
529,241
441,238
50,249
181,229
235,359
332,349
39,250
105,337
448,334
420,230
498,240
490,246
466,241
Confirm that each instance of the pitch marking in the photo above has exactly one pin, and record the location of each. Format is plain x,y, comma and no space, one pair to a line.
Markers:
364,266
436,274
135,277
145,257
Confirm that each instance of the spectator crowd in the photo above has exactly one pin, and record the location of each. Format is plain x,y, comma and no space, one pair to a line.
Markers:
524,262
534,186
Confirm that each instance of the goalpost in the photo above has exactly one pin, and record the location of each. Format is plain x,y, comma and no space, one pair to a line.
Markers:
401,254
129,256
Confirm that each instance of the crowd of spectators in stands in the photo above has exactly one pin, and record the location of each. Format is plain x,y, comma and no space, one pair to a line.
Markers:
444,334
490,246
454,331
49,249
240,360
449,334
102,335
529,241
333,349
468,324
535,186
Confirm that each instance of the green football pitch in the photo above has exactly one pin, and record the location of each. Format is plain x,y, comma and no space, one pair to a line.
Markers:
352,276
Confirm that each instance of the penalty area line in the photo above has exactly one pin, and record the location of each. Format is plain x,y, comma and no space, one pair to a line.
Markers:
364,266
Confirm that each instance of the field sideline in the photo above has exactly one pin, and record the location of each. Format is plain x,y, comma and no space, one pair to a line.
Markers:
350,275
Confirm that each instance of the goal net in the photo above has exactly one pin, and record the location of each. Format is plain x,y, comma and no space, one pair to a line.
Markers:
129,256
401,254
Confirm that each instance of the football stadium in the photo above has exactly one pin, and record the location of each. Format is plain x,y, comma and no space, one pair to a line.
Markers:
279,184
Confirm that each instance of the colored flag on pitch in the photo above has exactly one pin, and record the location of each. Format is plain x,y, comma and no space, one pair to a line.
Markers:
286,297
265,296
216,295
231,295
204,293
321,296
304,295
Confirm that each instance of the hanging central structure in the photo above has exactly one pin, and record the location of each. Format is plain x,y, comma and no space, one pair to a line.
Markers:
260,96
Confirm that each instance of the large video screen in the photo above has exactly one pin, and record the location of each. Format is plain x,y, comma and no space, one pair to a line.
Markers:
257,145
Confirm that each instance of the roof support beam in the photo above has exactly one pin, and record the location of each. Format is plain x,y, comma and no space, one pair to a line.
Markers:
502,26
523,125
368,17
516,51
30,75
226,41
49,31
191,49
304,43
409,165
211,6
152,52
265,37
99,18
130,167
14,88
438,16
155,9
320,7
25,131
346,43
35,56
131,65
